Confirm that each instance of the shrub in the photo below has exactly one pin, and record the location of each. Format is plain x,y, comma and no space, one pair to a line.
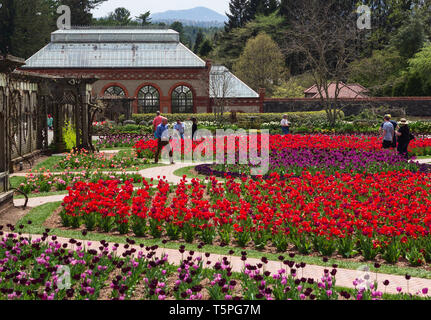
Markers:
69,135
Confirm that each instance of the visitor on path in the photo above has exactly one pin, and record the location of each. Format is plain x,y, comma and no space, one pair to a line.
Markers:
157,121
285,125
404,138
388,132
163,140
179,126
394,140
50,122
194,127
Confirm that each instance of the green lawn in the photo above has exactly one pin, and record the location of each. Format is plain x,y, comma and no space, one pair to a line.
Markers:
188,171
48,164
39,215
51,162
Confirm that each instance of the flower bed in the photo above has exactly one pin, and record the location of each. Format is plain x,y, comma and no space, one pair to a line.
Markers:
44,269
84,160
384,214
418,147
46,181
330,161
120,140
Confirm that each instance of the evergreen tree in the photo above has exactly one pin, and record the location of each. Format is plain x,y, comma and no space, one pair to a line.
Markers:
121,16
199,40
205,48
25,26
260,7
178,27
145,18
238,14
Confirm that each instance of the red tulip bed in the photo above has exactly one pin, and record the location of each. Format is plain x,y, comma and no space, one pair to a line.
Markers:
386,214
45,269
419,147
363,212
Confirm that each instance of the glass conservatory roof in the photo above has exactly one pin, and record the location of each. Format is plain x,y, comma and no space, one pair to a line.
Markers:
222,80
114,48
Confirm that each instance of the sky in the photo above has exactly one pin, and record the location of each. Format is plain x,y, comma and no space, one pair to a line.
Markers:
137,7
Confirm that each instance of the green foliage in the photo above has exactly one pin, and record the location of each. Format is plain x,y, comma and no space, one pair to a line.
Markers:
420,66
205,48
379,72
264,117
25,26
198,41
261,65
289,89
410,38
121,16
145,18
69,135
230,45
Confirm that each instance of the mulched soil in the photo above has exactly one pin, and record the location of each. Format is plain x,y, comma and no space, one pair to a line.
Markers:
12,216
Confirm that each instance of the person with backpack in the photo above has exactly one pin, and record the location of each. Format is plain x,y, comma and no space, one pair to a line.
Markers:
404,138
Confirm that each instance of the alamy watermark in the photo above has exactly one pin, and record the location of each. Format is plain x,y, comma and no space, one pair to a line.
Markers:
64,22
364,20
63,278
226,147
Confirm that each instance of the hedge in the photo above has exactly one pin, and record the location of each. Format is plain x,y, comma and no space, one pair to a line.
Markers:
294,117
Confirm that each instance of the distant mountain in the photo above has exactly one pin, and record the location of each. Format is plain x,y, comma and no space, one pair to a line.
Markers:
199,16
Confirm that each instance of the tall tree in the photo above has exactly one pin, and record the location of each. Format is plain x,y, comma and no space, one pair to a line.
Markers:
328,39
238,14
145,18
198,41
261,65
178,27
205,48
121,16
410,38
260,7
25,26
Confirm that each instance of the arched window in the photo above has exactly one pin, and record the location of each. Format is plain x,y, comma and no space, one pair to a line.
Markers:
115,91
148,100
182,100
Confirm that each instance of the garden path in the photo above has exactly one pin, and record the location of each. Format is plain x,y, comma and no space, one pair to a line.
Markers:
344,277
424,161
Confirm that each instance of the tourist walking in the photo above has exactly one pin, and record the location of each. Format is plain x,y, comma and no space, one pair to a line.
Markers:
194,127
163,141
388,132
157,121
404,138
394,140
285,125
179,126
